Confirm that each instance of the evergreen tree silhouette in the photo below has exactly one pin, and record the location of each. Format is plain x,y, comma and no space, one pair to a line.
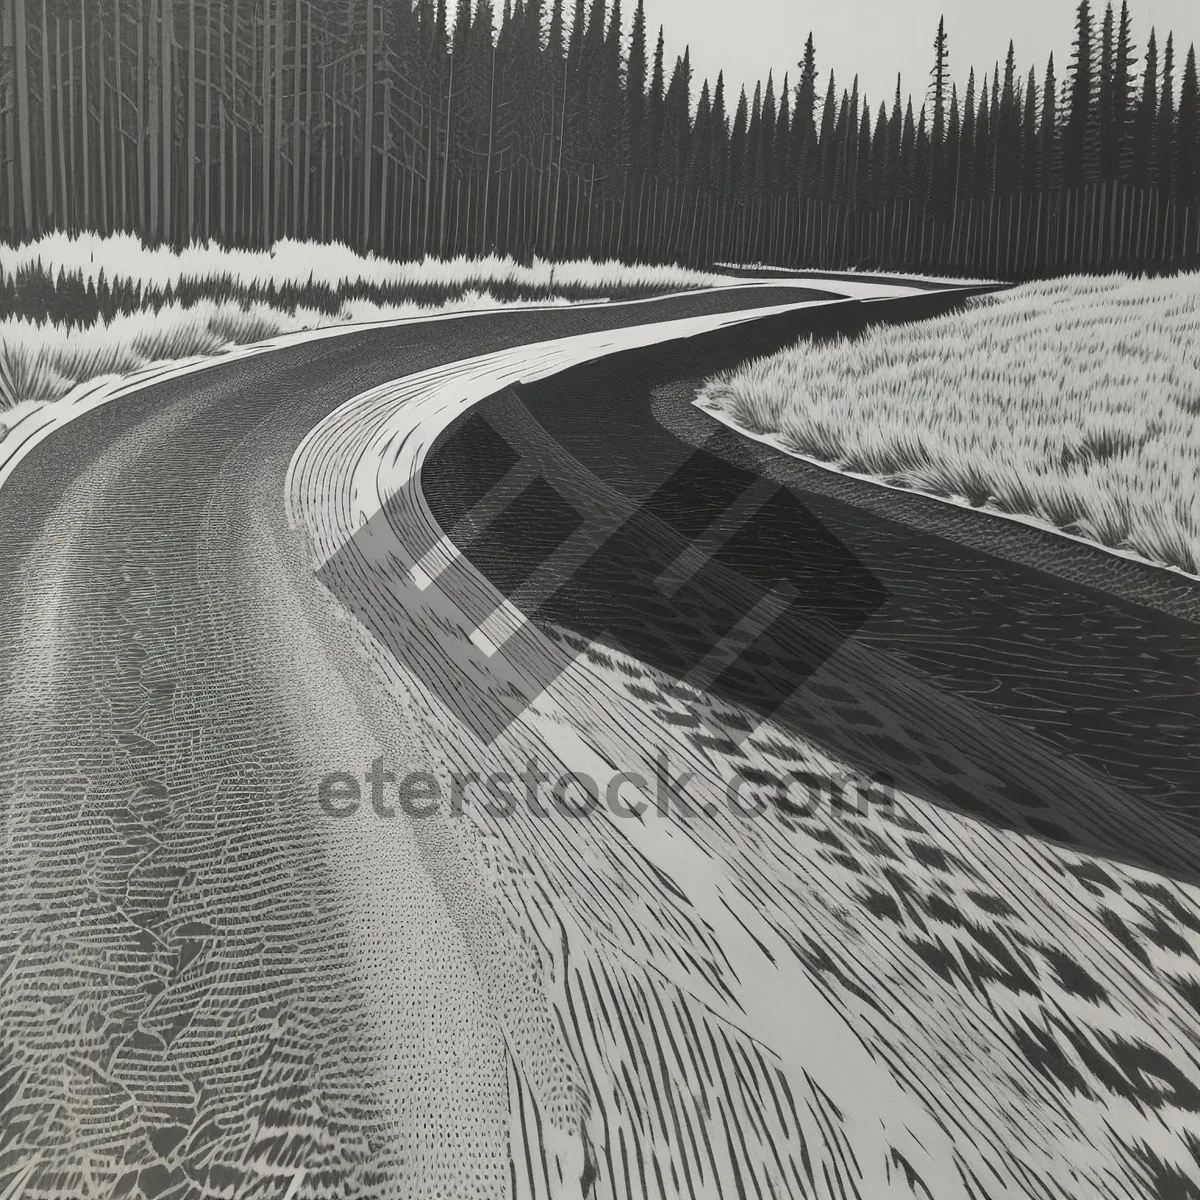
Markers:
827,148
1164,130
1124,86
1080,140
719,166
1187,134
635,90
804,132
1145,125
766,138
966,142
783,172
939,81
737,150
1029,136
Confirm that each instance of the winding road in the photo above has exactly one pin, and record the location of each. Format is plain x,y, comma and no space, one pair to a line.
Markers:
213,987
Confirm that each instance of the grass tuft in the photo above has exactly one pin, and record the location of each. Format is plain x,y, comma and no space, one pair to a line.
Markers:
1073,401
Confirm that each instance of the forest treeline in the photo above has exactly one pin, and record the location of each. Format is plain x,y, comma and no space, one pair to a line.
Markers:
407,127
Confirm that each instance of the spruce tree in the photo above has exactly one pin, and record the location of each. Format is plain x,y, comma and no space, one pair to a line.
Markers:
783,174
766,137
862,180
908,154
1106,97
981,184
879,156
753,168
1048,156
804,132
895,145
1187,135
1164,130
1124,86
1029,136
953,150
826,147
1080,141
719,167
1145,121
966,141
635,90
700,160
737,187
939,80
1008,130
655,110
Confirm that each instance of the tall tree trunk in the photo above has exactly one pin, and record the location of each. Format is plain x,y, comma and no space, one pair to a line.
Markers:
446,159
66,206
103,140
266,233
487,179
308,139
189,175
368,125
47,119
153,39
279,149
166,75
24,117
296,89
208,120
119,115
10,127
85,120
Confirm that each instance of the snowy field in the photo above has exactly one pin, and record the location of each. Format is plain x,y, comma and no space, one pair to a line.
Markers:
1069,402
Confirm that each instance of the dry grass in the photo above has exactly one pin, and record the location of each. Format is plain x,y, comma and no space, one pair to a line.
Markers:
88,306
1072,401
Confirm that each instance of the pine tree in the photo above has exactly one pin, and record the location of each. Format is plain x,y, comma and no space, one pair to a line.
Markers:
1029,136
766,142
754,179
1145,122
700,161
966,141
1187,132
783,174
655,110
804,132
921,158
1164,131
894,146
953,150
1123,95
719,167
939,80
879,156
1080,141
635,90
908,154
1106,99
862,180
982,165
1008,130
825,146
737,186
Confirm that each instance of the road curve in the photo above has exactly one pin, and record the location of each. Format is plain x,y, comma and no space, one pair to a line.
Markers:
254,998
162,727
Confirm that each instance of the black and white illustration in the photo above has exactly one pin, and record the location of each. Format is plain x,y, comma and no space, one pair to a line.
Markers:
599,599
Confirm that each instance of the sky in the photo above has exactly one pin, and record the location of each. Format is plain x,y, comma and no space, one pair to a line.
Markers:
877,38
